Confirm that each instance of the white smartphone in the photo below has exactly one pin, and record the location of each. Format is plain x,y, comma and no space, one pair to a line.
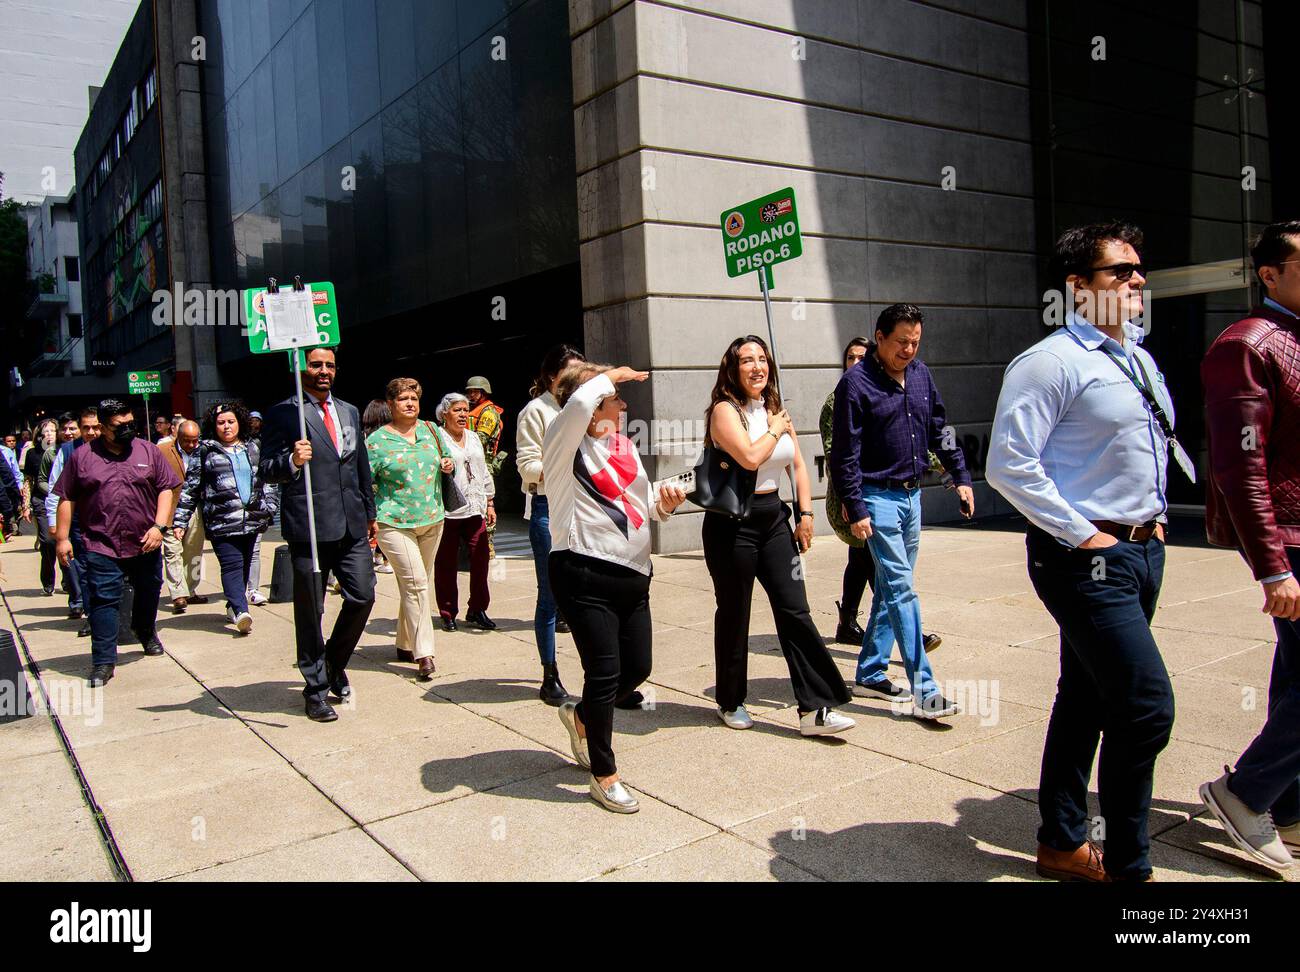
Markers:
685,480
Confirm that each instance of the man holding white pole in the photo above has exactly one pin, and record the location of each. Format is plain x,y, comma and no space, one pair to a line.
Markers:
328,464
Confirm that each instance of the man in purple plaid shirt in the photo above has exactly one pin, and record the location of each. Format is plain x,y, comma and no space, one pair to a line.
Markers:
888,418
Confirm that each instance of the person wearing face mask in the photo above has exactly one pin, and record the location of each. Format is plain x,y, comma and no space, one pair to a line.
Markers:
123,492
224,483
183,560
601,505
470,521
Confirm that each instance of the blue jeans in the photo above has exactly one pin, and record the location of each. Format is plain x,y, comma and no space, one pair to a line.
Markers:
103,592
539,535
895,608
1113,688
76,569
1268,773
235,555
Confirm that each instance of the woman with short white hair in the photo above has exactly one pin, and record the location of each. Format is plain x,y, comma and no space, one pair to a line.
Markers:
469,522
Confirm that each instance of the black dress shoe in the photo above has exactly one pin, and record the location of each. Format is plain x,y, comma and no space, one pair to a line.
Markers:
405,655
552,691
100,675
632,700
198,599
340,688
848,632
932,641
321,711
448,624
84,630
480,620
76,613
152,646
561,626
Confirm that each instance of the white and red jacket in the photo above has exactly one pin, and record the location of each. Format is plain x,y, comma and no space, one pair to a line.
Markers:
600,498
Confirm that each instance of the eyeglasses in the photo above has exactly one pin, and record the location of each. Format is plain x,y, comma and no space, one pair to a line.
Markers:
1123,271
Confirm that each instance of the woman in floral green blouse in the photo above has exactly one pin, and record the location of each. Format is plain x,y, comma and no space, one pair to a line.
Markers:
407,457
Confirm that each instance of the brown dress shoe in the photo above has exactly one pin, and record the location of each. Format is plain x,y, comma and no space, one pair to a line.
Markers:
405,655
179,604
1081,864
426,669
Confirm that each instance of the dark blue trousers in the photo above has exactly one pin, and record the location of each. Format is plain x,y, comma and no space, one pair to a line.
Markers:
1113,688
1268,773
104,595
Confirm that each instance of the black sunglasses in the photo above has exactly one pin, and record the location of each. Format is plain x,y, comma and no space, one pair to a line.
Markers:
1123,271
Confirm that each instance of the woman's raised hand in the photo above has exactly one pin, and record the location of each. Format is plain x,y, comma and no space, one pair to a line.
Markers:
620,375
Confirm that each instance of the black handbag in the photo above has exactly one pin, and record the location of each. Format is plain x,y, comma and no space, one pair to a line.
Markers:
723,485
452,497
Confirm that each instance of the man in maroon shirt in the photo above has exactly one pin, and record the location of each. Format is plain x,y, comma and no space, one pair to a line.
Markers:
123,492
1252,403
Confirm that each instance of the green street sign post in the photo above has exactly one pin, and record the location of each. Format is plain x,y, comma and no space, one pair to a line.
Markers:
756,236
286,331
142,383
761,233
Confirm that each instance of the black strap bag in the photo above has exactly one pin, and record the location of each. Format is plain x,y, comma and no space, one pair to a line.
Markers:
722,485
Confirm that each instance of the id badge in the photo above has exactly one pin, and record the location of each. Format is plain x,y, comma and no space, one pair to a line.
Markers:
1183,459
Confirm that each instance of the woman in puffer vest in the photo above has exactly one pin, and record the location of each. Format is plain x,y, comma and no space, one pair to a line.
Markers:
223,484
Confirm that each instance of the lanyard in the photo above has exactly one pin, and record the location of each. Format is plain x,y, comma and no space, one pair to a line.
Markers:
1148,396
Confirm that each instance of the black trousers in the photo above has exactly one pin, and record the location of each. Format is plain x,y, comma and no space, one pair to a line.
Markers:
350,561
859,574
762,546
1113,688
608,609
46,538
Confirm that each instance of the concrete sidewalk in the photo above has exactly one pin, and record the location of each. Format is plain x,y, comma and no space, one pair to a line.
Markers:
207,769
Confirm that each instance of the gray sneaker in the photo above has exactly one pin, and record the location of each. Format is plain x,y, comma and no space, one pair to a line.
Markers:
1252,832
1291,837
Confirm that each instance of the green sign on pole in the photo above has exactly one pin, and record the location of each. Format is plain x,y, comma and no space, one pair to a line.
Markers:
327,318
144,382
761,233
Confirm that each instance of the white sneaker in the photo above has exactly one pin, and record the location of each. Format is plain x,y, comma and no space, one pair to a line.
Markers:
244,622
738,718
256,598
824,722
1252,832
230,614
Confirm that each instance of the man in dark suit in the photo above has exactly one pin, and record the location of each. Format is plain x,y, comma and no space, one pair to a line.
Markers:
345,524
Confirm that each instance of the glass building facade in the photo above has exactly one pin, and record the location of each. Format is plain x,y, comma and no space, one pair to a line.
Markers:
418,154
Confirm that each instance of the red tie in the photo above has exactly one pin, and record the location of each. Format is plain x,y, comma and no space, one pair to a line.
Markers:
329,426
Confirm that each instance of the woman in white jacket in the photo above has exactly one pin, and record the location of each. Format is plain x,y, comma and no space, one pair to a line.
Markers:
601,505
530,429
469,522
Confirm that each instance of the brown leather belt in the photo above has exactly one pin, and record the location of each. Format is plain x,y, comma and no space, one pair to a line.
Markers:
1123,531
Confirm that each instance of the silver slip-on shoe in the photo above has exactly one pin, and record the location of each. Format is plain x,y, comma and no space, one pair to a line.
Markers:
737,718
576,742
614,797
1252,832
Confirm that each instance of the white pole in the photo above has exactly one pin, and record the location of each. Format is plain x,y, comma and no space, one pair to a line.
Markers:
771,343
306,472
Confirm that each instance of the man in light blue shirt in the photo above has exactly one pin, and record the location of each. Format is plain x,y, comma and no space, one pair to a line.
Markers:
1080,446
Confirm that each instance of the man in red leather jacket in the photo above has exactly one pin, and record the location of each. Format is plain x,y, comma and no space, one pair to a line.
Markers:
1252,401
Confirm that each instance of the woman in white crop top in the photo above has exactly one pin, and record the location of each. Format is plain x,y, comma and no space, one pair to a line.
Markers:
749,423
601,505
